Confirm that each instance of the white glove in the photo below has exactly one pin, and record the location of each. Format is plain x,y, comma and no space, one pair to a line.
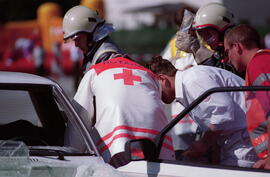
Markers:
186,42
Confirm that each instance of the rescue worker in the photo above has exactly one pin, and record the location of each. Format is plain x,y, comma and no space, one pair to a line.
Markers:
205,40
128,106
203,44
221,116
91,34
242,45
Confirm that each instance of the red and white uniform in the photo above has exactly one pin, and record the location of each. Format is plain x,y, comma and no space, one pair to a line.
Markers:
128,105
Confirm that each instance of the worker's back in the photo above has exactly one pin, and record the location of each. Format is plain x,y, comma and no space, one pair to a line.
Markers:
128,105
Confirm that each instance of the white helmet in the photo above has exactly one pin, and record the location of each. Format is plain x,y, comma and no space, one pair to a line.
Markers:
213,15
80,19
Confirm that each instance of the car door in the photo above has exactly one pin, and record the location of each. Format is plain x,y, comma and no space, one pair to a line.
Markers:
150,165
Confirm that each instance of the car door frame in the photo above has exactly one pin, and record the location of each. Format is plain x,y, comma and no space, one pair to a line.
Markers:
172,168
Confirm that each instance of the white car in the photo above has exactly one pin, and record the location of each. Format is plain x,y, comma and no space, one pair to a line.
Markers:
33,118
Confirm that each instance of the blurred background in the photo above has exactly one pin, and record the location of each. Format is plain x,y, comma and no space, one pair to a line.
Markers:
31,33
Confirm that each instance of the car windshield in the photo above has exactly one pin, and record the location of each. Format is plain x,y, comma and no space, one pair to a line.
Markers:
34,115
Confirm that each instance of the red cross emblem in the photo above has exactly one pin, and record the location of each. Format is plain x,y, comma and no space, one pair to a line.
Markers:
128,77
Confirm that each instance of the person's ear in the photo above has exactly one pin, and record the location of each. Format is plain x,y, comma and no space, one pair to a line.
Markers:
167,83
161,78
164,80
239,48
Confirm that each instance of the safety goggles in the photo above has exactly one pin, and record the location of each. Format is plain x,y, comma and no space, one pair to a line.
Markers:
73,38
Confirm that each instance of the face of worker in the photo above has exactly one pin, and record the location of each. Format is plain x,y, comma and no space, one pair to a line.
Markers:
210,36
168,92
233,53
80,41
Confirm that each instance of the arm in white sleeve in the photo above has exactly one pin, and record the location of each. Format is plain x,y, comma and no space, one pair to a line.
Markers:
216,110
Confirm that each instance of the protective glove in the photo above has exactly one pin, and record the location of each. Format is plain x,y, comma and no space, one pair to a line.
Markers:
186,42
202,54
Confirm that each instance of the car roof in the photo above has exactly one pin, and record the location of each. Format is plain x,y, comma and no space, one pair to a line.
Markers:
24,78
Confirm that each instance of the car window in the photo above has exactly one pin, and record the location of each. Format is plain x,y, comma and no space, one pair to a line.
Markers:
31,114
39,116
16,105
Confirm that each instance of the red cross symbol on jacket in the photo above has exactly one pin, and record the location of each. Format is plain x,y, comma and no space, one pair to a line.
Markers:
128,77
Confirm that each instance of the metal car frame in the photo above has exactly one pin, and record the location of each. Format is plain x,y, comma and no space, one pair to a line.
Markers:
152,165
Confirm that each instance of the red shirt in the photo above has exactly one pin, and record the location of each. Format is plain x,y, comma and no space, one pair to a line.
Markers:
259,66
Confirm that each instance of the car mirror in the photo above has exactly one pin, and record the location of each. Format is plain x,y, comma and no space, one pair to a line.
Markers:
141,149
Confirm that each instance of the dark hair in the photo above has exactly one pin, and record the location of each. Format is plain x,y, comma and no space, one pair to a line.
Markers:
161,66
244,34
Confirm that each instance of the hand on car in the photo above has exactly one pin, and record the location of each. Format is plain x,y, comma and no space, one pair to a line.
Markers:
264,164
196,150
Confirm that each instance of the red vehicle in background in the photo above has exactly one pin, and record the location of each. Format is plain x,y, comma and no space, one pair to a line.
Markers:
36,46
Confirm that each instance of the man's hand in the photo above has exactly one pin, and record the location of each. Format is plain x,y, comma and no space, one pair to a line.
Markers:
186,42
264,164
200,147
196,150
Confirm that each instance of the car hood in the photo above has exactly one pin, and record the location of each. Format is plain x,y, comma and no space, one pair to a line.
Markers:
50,166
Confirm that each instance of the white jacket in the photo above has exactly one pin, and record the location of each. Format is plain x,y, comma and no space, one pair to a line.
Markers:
128,105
